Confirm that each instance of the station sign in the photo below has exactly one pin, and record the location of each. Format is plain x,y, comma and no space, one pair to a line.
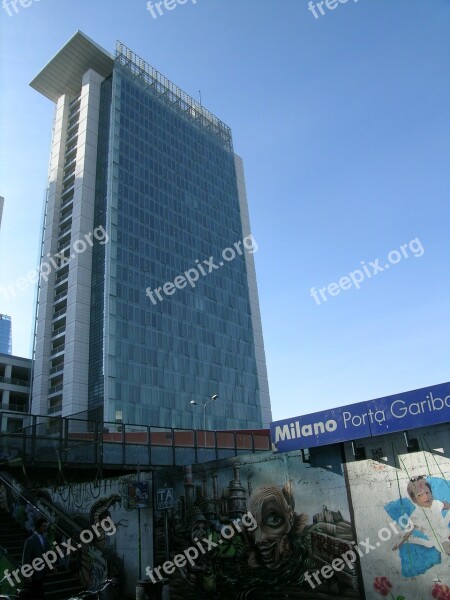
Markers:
402,412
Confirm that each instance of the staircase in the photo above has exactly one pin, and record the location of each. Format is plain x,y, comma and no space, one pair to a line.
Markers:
59,584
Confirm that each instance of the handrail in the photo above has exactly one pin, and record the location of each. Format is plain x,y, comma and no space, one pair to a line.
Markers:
55,510
14,563
16,408
14,381
46,517
99,441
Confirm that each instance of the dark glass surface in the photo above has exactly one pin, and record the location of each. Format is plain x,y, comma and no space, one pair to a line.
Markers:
172,200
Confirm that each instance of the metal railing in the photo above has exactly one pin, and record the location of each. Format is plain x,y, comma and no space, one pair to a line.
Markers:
54,409
56,350
70,148
87,442
28,500
61,279
56,369
17,408
173,95
64,231
59,296
66,189
59,313
66,201
56,388
56,332
57,518
13,381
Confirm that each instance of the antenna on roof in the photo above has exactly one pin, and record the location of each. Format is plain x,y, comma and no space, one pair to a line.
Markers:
200,96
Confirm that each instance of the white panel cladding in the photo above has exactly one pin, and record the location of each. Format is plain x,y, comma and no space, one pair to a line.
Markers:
76,369
266,411
49,250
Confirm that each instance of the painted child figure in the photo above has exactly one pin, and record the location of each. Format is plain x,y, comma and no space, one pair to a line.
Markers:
427,518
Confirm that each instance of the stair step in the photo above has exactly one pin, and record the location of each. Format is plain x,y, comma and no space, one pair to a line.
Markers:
9,530
57,577
12,543
65,592
59,584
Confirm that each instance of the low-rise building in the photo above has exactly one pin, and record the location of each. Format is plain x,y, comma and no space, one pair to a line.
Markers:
15,386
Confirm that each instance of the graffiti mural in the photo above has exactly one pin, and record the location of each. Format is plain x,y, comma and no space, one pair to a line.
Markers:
83,505
91,562
402,505
284,520
117,555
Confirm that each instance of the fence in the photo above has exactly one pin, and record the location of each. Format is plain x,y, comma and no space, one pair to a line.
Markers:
68,440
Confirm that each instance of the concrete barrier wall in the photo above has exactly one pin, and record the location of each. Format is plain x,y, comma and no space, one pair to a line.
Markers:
127,551
328,526
379,494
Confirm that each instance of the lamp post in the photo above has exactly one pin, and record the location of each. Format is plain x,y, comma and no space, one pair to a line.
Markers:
204,404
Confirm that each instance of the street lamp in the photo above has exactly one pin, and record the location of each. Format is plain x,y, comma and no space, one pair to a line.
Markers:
211,399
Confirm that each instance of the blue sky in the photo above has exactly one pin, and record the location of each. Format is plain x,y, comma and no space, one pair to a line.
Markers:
343,123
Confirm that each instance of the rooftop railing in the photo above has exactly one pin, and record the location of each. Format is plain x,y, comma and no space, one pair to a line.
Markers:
171,94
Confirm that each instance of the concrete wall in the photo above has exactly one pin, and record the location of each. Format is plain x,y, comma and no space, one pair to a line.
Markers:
339,518
88,503
379,496
313,525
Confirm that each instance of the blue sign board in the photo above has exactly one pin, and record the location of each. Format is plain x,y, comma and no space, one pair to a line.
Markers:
164,498
410,410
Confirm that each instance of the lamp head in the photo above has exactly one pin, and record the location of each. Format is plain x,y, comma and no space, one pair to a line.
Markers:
214,397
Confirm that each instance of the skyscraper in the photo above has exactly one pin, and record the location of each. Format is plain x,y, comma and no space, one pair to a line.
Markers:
144,189
5,334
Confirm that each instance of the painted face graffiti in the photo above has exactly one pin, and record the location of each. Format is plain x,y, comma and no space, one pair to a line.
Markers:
200,530
275,519
422,494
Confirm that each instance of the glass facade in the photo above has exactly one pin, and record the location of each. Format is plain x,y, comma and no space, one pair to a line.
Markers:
5,335
167,194
96,385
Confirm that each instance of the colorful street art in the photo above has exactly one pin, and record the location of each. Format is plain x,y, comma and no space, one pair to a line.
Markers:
91,562
414,562
391,512
85,504
303,522
291,518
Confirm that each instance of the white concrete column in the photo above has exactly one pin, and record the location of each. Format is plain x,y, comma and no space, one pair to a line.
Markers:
76,362
266,411
50,243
